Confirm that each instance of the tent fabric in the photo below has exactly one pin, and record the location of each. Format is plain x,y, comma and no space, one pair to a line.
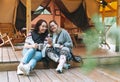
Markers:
35,3
78,17
20,16
71,5
92,7
7,11
21,12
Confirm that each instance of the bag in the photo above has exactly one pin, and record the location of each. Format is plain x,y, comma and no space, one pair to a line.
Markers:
77,59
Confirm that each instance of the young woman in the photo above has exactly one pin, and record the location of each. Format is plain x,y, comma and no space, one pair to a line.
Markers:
60,45
32,48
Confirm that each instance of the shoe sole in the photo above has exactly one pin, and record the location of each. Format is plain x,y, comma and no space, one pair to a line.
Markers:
19,73
59,71
23,70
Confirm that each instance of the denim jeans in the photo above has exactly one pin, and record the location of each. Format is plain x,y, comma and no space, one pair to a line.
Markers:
31,57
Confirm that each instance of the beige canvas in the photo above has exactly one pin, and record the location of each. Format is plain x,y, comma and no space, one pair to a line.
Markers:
7,11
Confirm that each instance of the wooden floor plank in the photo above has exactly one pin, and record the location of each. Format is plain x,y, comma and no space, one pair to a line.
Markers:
52,76
1,54
6,57
43,77
13,76
96,75
12,55
18,55
23,78
72,77
77,72
3,76
34,77
60,76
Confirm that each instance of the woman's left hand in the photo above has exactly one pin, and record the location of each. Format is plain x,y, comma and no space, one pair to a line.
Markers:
61,46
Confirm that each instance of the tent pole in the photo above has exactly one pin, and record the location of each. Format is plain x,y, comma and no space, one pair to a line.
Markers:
118,24
103,15
28,15
52,8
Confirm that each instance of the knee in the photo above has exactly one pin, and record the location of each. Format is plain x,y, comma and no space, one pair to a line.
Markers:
37,56
64,51
62,57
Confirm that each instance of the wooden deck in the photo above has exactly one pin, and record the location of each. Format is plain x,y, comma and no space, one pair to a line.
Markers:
45,75
9,61
50,75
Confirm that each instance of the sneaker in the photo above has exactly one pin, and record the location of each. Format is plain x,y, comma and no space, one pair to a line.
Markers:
59,70
25,69
19,72
66,66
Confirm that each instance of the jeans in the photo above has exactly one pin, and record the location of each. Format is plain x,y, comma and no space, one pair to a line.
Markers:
31,57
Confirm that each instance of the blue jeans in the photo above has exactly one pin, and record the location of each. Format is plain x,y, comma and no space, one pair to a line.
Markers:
31,57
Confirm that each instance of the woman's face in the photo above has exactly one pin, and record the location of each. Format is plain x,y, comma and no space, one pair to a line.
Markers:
53,27
42,27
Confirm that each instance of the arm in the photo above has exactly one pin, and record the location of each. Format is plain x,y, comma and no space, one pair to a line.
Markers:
35,45
29,43
68,40
65,39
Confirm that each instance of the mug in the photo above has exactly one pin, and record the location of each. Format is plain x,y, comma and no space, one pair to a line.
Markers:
57,45
40,46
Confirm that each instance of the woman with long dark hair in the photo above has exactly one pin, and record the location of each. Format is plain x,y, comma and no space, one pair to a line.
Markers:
32,48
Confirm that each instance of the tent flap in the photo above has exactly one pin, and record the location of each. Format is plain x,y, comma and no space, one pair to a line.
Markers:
78,17
7,11
20,16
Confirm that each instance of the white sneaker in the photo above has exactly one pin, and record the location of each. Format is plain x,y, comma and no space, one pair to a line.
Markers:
25,69
19,72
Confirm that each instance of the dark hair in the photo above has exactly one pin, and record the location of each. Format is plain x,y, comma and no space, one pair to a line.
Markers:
53,21
39,22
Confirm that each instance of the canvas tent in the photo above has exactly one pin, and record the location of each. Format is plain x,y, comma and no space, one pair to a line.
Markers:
13,12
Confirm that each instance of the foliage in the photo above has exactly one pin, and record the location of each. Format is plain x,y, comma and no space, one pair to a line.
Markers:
92,41
89,65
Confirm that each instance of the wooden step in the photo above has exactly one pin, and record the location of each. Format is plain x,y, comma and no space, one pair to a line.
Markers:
11,66
9,59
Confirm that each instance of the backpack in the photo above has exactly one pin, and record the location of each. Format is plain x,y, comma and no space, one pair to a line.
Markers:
77,59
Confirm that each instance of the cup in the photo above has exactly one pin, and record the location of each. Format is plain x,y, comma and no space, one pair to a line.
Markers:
40,46
57,45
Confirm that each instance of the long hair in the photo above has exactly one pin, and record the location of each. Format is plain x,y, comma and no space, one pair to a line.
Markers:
39,22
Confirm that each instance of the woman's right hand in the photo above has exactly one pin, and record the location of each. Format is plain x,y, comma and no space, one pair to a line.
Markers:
49,40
